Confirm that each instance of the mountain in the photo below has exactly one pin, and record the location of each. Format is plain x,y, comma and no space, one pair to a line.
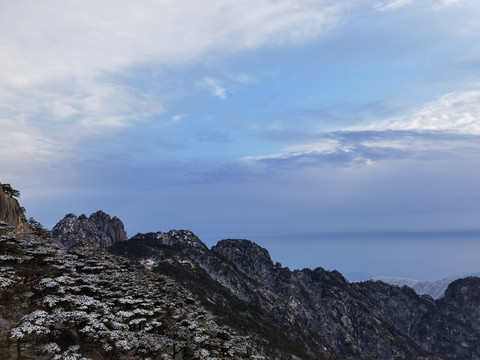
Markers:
85,303
98,230
87,292
320,312
434,288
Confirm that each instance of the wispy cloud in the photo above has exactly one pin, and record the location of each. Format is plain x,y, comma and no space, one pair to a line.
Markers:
391,5
458,111
446,3
44,42
214,86
446,127
361,149
177,118
244,78
218,87
63,63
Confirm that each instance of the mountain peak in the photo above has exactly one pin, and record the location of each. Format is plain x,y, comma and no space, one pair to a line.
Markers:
464,291
182,239
100,230
249,257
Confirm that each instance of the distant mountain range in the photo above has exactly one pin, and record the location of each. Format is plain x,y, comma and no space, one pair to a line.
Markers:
84,291
434,288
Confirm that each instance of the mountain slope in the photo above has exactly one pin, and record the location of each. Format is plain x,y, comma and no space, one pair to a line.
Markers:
317,310
88,303
235,298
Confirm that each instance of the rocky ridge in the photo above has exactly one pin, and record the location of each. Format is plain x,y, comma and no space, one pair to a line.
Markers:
321,312
86,303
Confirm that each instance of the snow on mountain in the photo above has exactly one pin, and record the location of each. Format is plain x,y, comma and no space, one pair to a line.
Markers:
434,288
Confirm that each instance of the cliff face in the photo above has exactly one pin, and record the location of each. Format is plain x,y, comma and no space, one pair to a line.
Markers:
99,230
12,214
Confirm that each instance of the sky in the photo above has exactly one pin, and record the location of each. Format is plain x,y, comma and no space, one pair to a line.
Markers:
343,134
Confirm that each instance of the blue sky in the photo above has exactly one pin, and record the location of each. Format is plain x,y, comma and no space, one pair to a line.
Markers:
340,134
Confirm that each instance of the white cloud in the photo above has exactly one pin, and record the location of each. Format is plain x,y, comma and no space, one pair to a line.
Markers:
22,144
325,146
32,145
61,59
217,87
391,5
214,86
244,79
54,38
446,3
321,147
448,125
458,111
177,118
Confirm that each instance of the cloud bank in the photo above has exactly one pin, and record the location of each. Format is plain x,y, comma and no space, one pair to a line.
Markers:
66,64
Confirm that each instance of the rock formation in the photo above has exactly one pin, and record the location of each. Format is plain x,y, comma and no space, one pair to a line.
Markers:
99,230
11,214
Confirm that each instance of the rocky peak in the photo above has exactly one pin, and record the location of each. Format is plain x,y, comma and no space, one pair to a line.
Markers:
99,230
12,217
181,239
249,257
464,292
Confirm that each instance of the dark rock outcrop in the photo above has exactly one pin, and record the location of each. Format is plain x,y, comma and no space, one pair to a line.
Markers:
99,230
12,215
249,257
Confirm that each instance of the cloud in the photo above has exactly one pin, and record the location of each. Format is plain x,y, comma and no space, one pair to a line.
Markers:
457,111
177,118
32,118
244,79
391,5
448,127
446,3
32,145
366,148
66,64
56,38
214,86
